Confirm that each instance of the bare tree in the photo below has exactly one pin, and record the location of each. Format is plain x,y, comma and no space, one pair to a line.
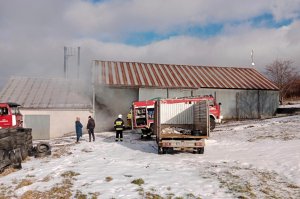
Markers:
283,74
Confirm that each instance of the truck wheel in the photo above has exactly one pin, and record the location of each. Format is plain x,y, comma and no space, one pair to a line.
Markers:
164,150
168,150
212,123
200,150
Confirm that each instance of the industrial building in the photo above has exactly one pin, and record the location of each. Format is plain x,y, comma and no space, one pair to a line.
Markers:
243,92
49,106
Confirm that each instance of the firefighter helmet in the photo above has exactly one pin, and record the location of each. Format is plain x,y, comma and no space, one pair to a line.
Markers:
120,116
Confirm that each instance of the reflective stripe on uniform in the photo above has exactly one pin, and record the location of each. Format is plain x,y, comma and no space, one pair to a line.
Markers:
118,123
119,129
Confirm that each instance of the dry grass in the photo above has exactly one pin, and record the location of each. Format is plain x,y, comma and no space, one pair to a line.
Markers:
138,181
23,183
69,174
8,171
80,195
108,179
141,191
57,192
150,195
293,186
61,151
263,183
94,195
5,192
47,178
60,191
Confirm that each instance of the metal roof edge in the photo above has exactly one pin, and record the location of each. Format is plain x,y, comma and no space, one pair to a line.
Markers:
140,62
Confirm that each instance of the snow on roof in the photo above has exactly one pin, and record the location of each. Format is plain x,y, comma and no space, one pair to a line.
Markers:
135,74
45,93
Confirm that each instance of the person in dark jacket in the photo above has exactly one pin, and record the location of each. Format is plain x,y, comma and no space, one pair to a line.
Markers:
78,128
119,127
91,126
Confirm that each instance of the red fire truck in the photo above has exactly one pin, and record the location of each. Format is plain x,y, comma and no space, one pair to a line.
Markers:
142,112
10,115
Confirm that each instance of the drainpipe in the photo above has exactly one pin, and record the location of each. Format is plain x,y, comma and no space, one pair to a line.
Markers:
93,87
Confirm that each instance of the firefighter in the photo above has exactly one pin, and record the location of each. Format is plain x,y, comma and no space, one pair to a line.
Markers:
119,126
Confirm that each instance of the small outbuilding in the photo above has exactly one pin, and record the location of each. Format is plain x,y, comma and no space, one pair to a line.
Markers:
49,105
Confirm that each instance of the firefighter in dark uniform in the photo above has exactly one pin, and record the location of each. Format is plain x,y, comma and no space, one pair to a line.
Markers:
119,127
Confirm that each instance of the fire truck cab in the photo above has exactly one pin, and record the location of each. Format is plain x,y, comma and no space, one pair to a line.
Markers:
142,112
10,115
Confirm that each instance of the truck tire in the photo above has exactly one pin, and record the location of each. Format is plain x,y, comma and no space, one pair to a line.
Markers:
212,123
43,147
200,150
168,150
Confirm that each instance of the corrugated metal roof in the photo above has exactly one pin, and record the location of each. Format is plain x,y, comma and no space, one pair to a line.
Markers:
135,74
45,93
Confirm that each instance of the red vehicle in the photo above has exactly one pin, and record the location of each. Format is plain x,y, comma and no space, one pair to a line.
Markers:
10,115
143,112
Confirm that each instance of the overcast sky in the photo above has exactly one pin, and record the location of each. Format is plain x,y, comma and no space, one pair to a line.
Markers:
33,33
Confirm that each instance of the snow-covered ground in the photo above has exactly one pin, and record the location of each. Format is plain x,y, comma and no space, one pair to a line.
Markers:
291,104
247,159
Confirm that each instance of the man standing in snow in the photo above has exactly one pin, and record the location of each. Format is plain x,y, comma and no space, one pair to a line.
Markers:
90,126
119,126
